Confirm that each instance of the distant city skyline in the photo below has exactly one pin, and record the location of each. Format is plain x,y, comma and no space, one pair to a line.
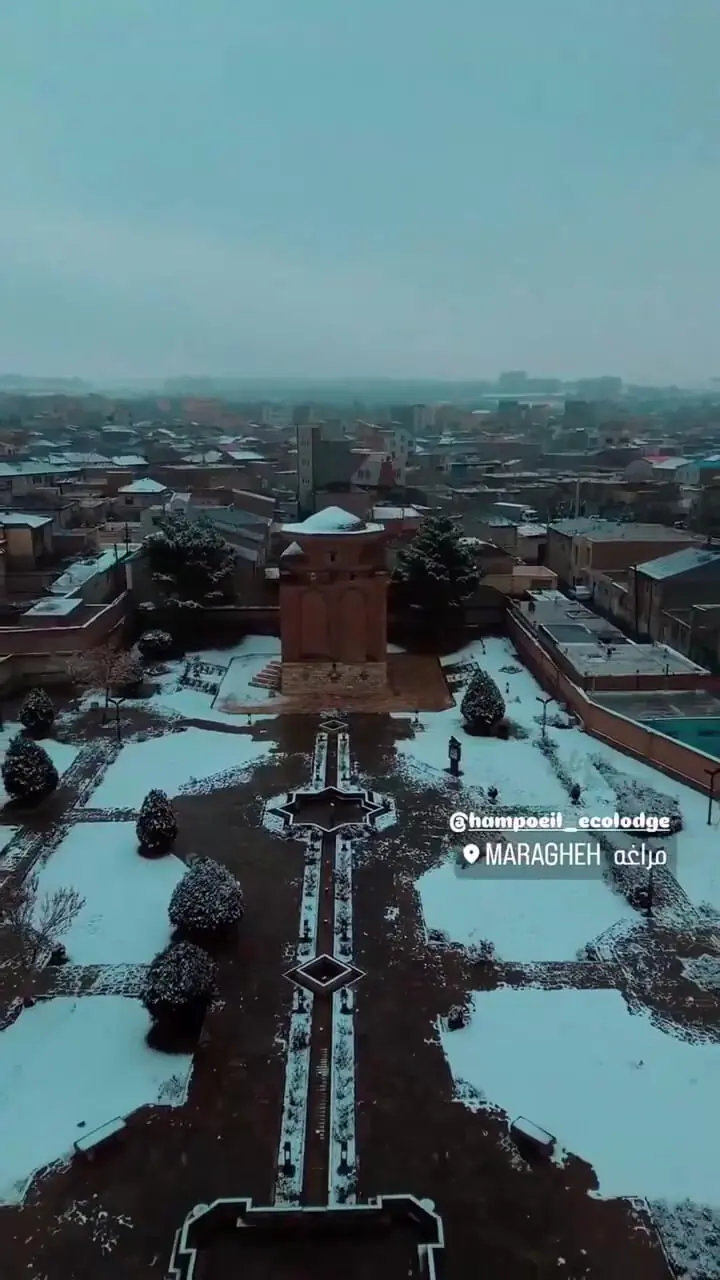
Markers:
397,188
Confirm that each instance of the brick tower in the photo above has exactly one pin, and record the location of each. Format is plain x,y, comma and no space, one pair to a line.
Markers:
333,606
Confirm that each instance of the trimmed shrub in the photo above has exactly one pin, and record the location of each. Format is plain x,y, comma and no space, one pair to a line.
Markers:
207,902
155,644
28,773
37,713
156,825
180,983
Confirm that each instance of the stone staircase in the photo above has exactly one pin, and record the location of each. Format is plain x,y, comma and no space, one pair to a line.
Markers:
268,678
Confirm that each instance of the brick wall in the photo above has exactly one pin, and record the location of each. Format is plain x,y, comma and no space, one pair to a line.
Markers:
54,639
673,758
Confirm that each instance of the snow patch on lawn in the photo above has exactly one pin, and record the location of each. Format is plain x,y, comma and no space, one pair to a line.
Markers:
69,1066
526,919
124,920
174,763
632,1101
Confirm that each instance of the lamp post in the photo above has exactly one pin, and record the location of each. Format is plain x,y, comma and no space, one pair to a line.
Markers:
650,893
712,774
545,701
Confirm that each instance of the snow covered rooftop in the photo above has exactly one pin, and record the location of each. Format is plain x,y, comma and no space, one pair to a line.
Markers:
332,520
23,518
146,485
129,460
293,550
61,607
82,570
396,513
679,562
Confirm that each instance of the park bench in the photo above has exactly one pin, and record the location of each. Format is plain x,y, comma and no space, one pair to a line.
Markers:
90,1143
531,1137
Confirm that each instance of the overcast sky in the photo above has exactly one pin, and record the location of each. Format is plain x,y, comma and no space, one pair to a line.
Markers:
360,187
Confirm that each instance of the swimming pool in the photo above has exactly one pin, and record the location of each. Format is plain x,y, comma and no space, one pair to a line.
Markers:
703,733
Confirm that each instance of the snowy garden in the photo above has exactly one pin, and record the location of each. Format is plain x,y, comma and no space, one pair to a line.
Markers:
144,929
615,1090
130,923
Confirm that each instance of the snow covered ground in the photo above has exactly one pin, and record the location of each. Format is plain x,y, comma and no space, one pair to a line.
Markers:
69,1066
124,920
248,657
527,920
635,1103
236,687
62,754
523,774
173,764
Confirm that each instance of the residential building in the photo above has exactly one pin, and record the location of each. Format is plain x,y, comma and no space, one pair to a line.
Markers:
532,543
702,471
657,467
578,547
498,531
23,477
133,499
28,538
332,466
703,511
595,654
676,581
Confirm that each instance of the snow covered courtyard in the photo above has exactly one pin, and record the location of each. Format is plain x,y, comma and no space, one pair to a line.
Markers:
524,775
236,666
174,763
635,1103
69,1066
124,919
526,920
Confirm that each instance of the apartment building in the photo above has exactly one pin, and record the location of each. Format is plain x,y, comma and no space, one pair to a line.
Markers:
578,548
327,464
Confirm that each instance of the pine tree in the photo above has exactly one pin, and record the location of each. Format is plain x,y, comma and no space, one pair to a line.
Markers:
180,983
188,558
37,713
28,773
156,825
483,706
207,902
436,571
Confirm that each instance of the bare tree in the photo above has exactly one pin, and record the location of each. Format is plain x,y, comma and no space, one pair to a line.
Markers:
38,922
112,672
